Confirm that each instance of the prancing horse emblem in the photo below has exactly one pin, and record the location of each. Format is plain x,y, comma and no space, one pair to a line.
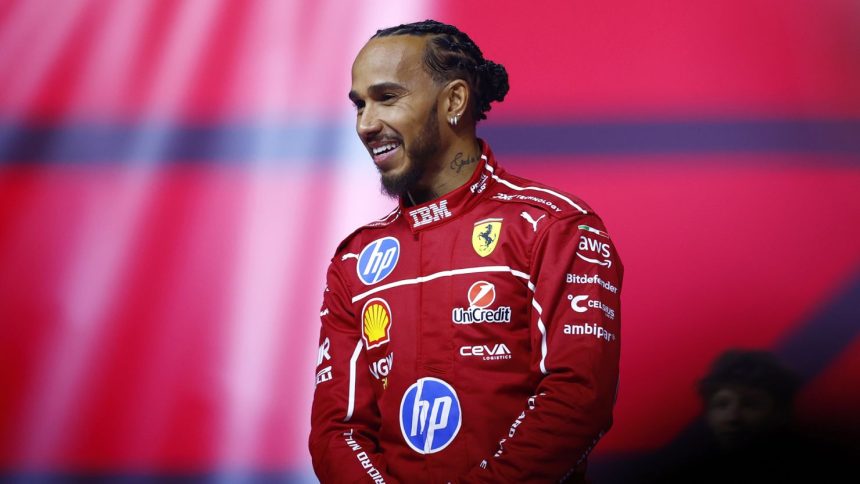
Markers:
485,236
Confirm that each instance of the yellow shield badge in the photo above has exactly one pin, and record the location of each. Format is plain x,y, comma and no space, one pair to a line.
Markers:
376,317
485,236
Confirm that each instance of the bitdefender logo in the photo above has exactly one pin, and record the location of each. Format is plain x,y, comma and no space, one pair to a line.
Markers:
481,295
589,279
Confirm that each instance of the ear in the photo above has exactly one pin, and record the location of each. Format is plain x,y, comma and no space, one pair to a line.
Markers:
455,100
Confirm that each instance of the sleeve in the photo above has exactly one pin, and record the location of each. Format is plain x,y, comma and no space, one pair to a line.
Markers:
576,310
344,417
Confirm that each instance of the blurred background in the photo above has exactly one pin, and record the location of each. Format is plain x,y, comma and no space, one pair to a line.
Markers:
175,175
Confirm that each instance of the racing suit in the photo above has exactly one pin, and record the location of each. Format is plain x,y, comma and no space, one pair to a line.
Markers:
473,338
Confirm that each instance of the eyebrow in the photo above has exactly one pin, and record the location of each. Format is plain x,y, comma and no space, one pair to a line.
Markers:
377,89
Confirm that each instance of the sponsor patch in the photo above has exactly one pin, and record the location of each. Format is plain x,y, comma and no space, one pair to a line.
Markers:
497,351
377,260
322,351
590,244
532,221
481,295
485,236
363,458
581,304
429,214
376,322
323,375
590,330
510,197
430,415
480,185
381,367
587,279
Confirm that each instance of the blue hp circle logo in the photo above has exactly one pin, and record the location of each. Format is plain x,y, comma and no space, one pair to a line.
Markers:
378,259
429,415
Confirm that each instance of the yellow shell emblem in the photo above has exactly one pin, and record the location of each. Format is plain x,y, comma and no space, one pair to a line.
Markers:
485,236
376,322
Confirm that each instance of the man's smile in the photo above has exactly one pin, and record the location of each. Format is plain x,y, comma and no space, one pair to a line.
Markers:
383,152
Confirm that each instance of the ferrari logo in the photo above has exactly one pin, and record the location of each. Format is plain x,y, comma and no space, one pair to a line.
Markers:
485,236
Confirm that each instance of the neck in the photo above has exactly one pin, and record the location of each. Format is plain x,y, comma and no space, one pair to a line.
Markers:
455,167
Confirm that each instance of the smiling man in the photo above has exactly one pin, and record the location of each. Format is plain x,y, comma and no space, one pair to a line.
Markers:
473,333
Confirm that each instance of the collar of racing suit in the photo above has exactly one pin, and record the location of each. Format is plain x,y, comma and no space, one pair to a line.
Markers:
456,202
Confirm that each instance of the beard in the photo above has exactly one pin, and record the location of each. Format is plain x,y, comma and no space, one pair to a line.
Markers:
420,157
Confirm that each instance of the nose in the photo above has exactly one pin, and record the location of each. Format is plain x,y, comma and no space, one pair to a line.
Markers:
368,123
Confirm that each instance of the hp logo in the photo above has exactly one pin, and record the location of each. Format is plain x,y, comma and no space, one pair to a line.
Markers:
378,259
429,415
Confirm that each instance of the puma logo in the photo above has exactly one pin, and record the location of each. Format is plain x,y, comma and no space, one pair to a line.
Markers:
532,221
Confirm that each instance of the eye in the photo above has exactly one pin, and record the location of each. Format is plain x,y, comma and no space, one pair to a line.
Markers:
358,105
388,97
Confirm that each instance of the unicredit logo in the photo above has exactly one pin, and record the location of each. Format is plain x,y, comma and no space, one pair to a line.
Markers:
478,315
481,295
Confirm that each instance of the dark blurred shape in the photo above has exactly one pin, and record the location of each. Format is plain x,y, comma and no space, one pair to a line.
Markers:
748,396
747,431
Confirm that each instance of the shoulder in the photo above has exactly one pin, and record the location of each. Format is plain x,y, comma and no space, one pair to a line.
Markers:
564,214
353,242
512,189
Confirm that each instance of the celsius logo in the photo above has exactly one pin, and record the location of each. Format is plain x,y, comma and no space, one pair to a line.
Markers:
429,415
574,303
481,294
377,260
581,304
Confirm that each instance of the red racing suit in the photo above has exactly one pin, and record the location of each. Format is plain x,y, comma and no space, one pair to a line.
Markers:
473,338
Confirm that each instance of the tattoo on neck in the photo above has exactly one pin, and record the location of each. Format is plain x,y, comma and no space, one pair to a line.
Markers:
460,161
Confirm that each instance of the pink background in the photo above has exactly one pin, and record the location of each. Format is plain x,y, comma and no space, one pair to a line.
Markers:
174,177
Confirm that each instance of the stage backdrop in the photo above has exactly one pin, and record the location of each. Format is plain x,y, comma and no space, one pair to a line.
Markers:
174,177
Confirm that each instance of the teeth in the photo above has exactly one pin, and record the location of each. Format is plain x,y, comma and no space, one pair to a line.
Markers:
385,148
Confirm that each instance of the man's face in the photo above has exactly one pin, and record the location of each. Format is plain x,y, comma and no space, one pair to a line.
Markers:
397,117
738,415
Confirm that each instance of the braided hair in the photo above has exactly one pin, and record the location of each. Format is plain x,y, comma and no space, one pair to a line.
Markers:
451,54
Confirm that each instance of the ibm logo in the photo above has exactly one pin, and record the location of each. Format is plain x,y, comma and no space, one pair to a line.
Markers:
430,213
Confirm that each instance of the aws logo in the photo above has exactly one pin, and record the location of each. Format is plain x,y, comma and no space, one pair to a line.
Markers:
376,323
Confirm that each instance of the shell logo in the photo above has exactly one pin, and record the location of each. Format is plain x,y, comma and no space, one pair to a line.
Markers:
481,294
376,323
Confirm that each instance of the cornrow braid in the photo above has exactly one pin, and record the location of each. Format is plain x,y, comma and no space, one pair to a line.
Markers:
450,55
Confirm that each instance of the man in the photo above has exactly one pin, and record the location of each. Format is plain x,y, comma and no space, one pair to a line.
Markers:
749,433
748,399
472,334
